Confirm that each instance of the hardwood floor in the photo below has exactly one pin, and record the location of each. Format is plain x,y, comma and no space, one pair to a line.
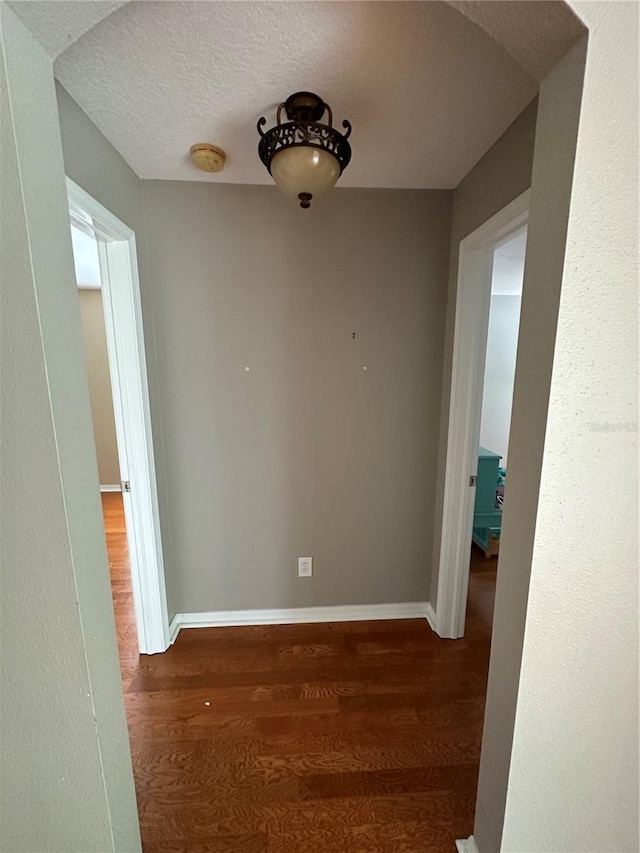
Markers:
357,737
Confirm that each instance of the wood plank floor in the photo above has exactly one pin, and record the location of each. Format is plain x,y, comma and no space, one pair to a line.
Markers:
357,737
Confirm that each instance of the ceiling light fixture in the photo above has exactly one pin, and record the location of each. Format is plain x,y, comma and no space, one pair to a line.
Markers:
304,156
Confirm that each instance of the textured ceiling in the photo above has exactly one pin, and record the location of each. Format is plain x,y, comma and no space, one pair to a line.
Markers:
537,34
58,23
426,89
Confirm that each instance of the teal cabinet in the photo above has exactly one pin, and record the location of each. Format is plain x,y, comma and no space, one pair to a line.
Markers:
487,519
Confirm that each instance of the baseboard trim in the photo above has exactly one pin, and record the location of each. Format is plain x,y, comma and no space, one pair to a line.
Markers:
467,845
295,615
430,616
174,628
116,487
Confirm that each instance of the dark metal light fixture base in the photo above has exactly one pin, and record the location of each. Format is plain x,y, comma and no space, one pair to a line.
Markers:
304,107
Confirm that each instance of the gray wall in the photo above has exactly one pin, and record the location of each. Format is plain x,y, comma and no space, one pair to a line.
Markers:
306,453
100,395
66,780
550,195
501,175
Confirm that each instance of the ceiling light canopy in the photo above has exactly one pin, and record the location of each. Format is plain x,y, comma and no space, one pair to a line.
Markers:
304,156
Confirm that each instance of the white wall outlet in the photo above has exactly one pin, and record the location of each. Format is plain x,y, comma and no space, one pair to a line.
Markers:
305,567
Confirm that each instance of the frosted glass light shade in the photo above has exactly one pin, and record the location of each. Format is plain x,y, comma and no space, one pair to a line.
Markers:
305,169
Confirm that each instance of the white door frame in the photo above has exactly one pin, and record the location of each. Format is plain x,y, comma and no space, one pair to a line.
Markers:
473,297
127,367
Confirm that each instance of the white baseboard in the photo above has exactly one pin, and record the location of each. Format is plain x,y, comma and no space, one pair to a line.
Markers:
116,487
295,615
174,628
430,615
466,845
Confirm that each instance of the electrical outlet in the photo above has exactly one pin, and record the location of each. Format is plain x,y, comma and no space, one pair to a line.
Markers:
305,567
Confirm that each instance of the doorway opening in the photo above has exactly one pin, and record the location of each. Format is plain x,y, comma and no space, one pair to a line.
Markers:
495,420
490,272
105,254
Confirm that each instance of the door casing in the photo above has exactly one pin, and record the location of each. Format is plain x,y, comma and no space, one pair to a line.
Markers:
473,297
127,368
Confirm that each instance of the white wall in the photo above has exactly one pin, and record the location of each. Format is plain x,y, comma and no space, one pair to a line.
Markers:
499,373
502,345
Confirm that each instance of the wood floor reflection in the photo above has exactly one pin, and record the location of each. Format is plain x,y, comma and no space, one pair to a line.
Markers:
329,738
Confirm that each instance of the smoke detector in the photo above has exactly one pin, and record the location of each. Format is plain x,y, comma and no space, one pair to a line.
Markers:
207,157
